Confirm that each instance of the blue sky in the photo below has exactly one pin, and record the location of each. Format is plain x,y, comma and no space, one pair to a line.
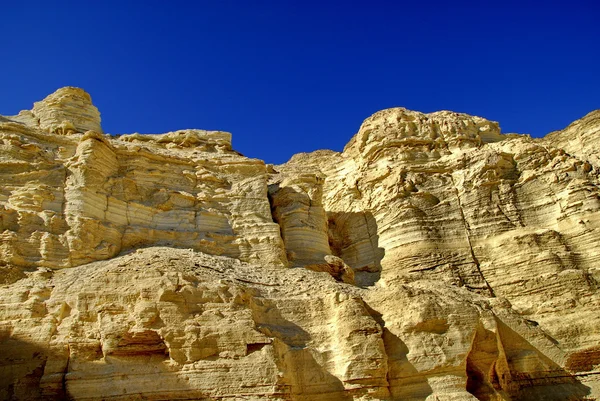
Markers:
295,76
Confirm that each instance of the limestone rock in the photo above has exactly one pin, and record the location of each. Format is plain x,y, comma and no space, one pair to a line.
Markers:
73,197
336,267
580,138
433,259
446,197
297,208
68,110
170,323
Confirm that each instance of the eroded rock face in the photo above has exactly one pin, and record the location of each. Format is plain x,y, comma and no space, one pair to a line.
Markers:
443,261
580,138
73,197
446,197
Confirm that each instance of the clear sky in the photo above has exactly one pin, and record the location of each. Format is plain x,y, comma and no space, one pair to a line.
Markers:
295,76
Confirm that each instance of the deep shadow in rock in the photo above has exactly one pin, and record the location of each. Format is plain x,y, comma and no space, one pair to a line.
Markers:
405,381
504,364
309,232
22,365
305,376
296,207
29,371
353,237
10,274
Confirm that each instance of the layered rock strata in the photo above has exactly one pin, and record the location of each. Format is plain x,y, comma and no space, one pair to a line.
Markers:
71,197
442,260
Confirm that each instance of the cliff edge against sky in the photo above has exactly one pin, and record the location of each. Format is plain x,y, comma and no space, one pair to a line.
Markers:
435,258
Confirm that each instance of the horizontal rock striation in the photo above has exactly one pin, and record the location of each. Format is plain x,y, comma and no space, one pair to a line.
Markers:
169,323
446,197
433,259
72,197
580,138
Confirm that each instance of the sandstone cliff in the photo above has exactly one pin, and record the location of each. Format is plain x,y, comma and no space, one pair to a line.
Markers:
433,259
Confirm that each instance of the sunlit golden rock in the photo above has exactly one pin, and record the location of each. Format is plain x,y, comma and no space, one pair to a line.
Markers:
435,258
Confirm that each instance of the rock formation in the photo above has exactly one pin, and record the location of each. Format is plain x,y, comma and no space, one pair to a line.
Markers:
433,259
73,197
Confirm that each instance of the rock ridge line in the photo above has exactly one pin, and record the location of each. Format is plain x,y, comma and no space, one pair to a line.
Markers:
434,258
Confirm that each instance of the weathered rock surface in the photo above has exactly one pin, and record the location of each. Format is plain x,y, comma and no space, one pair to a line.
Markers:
580,138
443,261
70,197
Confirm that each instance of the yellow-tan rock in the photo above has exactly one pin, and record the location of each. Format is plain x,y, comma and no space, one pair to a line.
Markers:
73,197
433,259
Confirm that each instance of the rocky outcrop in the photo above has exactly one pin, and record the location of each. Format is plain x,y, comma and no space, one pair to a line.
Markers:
169,323
446,197
580,138
433,259
297,208
72,197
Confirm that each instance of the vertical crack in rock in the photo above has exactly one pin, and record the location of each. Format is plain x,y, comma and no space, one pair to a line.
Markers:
468,238
64,390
